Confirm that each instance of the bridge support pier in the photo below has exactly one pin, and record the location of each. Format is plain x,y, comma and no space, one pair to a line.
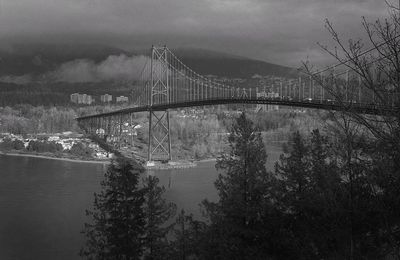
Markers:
159,146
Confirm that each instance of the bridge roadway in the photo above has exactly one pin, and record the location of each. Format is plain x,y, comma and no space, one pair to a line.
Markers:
361,108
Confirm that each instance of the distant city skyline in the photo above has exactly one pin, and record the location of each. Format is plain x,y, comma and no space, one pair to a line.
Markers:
284,32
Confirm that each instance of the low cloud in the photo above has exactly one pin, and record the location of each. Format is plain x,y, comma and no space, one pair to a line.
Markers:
19,80
114,68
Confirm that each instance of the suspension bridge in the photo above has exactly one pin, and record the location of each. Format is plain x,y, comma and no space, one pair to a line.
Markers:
166,83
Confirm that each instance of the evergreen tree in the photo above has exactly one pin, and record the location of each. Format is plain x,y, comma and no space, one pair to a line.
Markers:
325,208
118,218
326,198
293,174
190,236
238,219
157,212
294,168
373,176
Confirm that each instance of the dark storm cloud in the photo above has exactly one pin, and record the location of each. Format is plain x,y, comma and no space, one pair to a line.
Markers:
280,31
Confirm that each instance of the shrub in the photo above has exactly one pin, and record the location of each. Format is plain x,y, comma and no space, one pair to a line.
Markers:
18,145
44,146
6,145
80,149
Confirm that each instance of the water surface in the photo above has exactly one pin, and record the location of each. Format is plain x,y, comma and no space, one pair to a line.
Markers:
43,202
42,205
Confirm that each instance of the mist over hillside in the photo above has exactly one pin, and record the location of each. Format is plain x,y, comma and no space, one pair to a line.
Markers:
33,61
48,74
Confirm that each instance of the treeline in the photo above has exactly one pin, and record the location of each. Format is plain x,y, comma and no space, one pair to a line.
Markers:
38,146
205,136
28,119
197,137
8,145
43,146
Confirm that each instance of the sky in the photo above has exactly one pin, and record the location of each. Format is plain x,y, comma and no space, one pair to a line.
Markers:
278,31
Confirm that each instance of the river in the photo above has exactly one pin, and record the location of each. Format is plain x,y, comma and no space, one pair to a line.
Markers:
43,202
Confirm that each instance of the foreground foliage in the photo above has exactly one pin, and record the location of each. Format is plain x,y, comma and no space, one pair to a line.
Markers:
118,217
127,218
328,198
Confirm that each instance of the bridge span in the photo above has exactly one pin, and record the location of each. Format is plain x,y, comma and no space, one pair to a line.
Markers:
166,83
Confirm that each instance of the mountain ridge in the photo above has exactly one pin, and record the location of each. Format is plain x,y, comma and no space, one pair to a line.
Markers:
41,58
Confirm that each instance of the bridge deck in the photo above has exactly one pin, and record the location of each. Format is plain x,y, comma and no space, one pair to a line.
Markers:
325,105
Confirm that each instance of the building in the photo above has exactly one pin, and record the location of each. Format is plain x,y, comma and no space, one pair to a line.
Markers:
74,98
88,100
106,98
82,99
122,99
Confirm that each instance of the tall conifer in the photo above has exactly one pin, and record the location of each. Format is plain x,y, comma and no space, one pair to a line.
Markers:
237,219
118,219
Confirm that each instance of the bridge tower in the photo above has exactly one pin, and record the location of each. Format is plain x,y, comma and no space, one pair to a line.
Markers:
159,130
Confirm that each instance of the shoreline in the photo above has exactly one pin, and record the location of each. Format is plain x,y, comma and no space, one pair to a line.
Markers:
207,160
185,163
52,158
180,164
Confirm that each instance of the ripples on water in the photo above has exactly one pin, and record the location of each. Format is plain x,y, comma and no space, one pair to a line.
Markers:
43,202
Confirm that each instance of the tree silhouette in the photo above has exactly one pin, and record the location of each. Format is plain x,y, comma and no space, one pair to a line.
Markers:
157,212
118,217
238,220
372,68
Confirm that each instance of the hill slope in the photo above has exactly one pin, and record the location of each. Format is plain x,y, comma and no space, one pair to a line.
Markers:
40,58
227,65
